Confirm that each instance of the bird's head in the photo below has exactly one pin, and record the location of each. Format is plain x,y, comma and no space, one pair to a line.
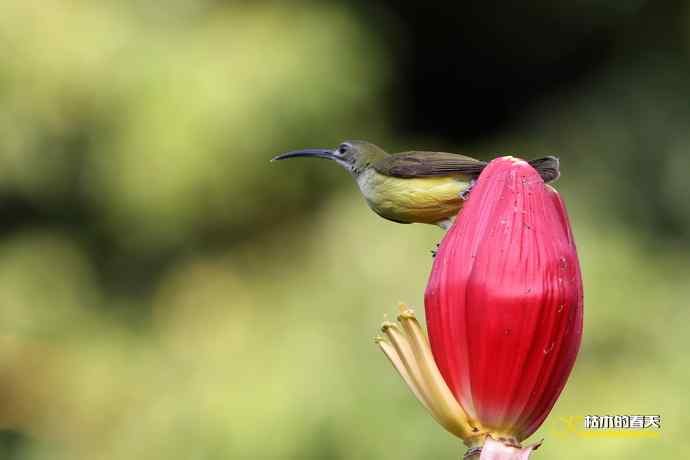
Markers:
355,156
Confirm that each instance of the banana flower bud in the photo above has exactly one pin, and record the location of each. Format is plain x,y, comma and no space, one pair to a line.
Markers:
504,308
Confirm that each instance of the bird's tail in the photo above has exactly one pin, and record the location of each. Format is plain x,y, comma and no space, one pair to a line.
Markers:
547,167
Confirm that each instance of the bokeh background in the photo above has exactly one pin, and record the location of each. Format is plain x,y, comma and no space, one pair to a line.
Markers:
167,293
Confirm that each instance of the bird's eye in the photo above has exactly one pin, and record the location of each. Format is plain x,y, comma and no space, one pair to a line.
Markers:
342,149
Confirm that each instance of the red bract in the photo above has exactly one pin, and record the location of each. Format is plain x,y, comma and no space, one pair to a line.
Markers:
504,301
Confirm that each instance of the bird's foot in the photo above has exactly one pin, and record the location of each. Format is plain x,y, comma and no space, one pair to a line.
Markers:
435,251
445,223
465,194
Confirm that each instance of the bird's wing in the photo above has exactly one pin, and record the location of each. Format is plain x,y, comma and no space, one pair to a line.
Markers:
429,164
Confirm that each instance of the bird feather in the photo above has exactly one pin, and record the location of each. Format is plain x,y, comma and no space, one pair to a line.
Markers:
429,164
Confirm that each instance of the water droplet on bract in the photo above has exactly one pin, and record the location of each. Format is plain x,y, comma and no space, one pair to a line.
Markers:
548,349
560,308
506,331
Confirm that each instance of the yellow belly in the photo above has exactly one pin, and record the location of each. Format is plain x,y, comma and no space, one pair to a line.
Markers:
425,200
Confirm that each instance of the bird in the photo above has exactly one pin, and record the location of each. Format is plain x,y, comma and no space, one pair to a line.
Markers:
414,186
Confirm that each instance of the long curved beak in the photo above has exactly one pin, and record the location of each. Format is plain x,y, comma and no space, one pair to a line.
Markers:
318,153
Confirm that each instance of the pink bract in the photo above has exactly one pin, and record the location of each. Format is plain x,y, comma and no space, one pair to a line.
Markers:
504,301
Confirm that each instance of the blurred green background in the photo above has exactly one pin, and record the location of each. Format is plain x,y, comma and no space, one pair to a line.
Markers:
167,293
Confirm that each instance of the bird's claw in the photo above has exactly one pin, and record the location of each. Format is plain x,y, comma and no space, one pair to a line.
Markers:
465,194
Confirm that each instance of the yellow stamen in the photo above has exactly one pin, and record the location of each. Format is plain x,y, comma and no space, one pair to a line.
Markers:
411,355
392,355
407,358
449,409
